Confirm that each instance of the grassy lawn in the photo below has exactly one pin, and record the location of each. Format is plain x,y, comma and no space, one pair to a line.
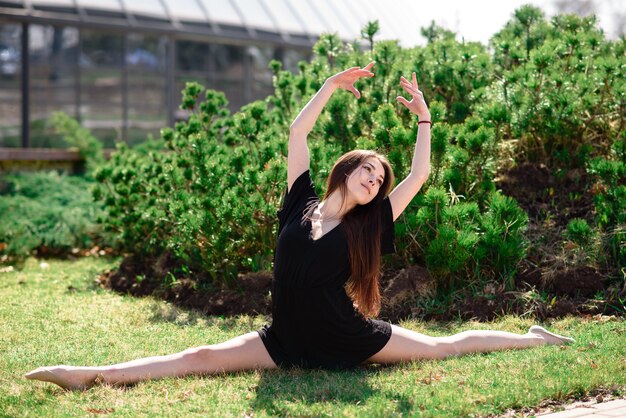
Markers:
58,315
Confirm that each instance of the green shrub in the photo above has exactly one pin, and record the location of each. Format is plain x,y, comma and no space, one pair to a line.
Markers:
471,165
610,202
579,231
48,212
502,245
211,201
450,72
458,242
81,138
559,88
610,172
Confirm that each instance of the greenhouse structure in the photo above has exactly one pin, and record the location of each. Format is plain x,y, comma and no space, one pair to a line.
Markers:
118,66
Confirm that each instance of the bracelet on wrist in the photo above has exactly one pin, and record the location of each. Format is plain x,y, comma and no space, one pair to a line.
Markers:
425,121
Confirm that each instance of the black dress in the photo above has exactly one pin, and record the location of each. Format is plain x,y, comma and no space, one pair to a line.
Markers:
315,324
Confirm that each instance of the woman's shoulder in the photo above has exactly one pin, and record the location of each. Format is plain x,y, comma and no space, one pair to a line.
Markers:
300,196
303,185
302,177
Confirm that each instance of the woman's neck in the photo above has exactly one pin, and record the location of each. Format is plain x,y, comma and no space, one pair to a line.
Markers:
330,208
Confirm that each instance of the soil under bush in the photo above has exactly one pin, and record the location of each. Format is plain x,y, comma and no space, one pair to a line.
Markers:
540,193
402,292
251,296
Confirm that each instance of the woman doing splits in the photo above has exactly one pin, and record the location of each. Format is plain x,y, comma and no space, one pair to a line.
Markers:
325,292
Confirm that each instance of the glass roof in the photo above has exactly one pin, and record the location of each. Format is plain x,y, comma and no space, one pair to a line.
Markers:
283,13
270,20
341,13
186,10
64,3
331,16
377,8
254,14
112,5
222,11
152,8
310,17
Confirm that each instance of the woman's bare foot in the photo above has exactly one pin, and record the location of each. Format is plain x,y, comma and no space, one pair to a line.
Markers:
550,337
68,377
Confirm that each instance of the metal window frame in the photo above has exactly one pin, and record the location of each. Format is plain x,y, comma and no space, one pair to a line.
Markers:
174,30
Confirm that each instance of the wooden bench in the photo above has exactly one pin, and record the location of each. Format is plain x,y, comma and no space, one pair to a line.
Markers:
33,159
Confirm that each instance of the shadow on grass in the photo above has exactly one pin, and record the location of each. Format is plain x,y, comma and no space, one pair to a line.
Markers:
277,390
183,317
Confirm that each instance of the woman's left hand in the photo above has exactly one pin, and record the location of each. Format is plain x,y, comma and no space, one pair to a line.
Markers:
345,80
417,105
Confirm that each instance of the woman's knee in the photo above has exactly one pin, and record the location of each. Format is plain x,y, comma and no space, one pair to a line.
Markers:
448,347
438,349
199,358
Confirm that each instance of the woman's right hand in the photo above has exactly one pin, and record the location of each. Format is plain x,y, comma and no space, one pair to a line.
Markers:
345,80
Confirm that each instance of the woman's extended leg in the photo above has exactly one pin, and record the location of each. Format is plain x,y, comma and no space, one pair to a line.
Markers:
241,353
407,345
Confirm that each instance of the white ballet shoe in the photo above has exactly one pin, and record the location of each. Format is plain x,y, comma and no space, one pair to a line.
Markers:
550,337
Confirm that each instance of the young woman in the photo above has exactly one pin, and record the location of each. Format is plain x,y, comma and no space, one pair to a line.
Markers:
327,260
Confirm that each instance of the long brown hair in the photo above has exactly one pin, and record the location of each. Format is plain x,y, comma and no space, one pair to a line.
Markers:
363,229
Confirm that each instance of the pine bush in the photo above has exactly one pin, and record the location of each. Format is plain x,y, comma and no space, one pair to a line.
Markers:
555,89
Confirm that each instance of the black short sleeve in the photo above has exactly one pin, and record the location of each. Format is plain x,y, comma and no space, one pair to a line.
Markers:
388,245
295,200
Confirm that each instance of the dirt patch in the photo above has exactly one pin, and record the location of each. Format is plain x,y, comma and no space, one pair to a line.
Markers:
250,295
554,278
580,281
406,293
552,281
402,291
573,281
488,307
543,195
530,277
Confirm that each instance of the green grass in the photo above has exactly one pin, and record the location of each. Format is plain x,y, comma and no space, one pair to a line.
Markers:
58,315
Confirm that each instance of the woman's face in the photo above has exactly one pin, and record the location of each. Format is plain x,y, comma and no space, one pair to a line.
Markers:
365,181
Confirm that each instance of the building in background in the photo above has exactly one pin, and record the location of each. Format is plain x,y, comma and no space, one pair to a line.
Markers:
118,66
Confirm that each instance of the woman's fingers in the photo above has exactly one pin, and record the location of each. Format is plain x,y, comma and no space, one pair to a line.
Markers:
356,73
366,71
403,101
412,90
408,90
417,104
346,79
407,84
414,83
413,86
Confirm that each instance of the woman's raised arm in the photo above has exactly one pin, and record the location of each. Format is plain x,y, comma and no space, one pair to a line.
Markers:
404,192
298,151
